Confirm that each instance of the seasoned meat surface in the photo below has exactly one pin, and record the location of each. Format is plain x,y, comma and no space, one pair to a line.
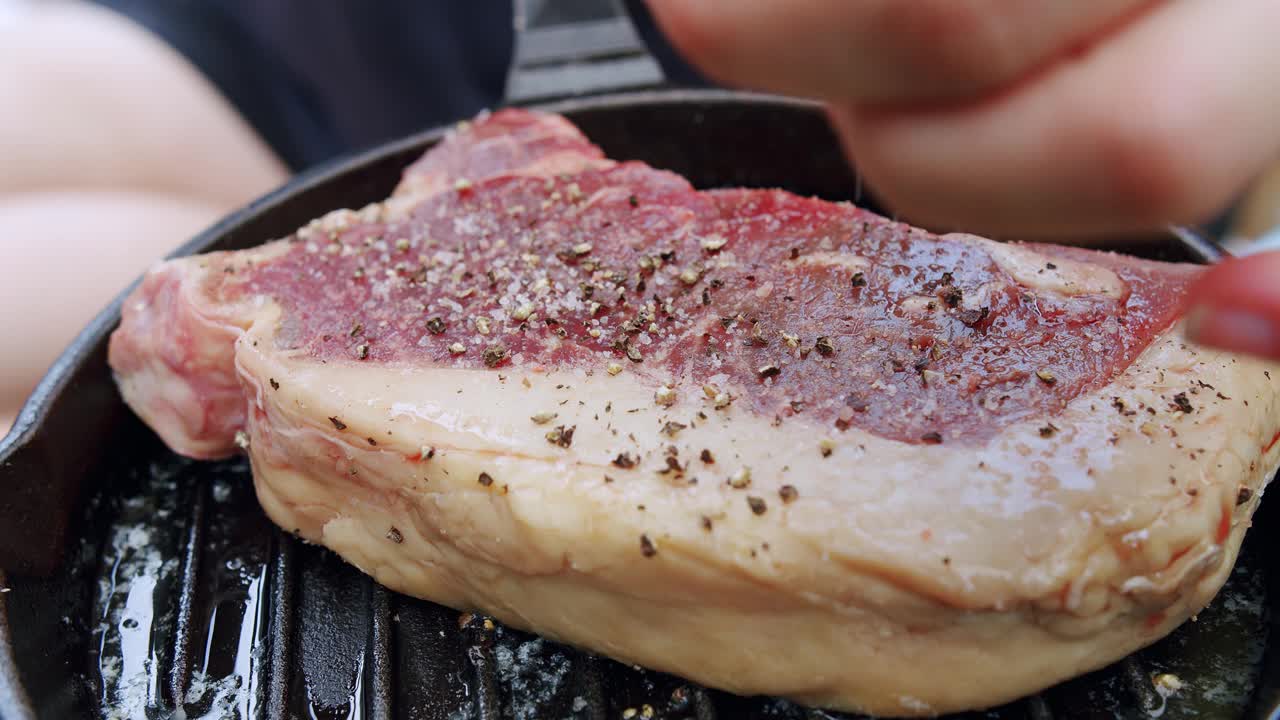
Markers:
799,305
773,444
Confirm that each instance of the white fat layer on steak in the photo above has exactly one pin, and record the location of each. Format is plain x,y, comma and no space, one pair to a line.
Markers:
1040,273
1108,534
1044,490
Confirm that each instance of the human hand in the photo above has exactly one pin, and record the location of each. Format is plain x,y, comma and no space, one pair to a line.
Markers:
1236,306
1041,118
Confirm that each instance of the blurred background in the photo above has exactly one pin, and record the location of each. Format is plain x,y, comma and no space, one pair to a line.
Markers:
125,131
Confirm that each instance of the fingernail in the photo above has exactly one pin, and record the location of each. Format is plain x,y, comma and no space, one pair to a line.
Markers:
1233,329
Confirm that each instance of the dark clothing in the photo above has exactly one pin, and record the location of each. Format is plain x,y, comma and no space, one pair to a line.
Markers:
318,79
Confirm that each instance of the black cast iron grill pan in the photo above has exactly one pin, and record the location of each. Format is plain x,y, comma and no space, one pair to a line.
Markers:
143,585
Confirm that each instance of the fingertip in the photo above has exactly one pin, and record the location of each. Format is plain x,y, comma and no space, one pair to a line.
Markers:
1251,282
1234,330
1235,306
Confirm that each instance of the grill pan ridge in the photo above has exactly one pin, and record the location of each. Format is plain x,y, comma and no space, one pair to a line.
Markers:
144,585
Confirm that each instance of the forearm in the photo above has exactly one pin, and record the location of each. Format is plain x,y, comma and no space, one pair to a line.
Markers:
65,255
93,101
116,150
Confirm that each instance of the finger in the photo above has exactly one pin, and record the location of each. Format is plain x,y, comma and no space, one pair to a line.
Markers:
881,49
1164,122
1236,306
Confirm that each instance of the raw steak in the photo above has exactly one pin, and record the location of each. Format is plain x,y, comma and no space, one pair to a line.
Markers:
774,444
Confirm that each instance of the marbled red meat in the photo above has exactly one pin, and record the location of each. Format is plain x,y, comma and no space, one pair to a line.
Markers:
798,302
